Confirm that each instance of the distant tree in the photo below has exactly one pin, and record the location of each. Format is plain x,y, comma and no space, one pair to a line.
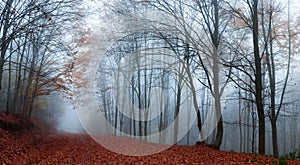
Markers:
271,25
246,13
203,25
263,20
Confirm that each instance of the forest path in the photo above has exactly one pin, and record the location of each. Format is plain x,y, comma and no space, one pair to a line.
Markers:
35,145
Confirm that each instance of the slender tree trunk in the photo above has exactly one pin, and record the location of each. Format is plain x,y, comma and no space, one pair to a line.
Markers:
274,138
19,76
216,76
29,88
8,98
164,83
258,80
139,92
240,121
274,113
253,131
271,72
178,103
192,87
116,120
133,112
219,136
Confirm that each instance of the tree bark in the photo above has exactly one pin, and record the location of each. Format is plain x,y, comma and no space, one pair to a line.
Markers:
216,76
258,80
274,138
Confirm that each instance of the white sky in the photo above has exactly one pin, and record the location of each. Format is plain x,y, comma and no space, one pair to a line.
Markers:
94,7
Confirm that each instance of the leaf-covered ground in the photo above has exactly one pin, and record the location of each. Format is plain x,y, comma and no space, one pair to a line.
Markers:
22,142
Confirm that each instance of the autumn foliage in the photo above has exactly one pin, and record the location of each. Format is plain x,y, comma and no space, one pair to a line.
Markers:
28,142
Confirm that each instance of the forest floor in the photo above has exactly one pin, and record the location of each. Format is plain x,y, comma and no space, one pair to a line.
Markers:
31,142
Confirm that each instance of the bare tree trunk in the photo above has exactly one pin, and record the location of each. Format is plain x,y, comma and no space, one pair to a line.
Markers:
219,136
274,113
8,98
253,131
274,138
216,76
240,121
19,76
133,112
29,87
258,80
271,73
178,102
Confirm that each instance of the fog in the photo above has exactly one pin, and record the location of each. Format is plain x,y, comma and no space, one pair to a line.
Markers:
69,121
